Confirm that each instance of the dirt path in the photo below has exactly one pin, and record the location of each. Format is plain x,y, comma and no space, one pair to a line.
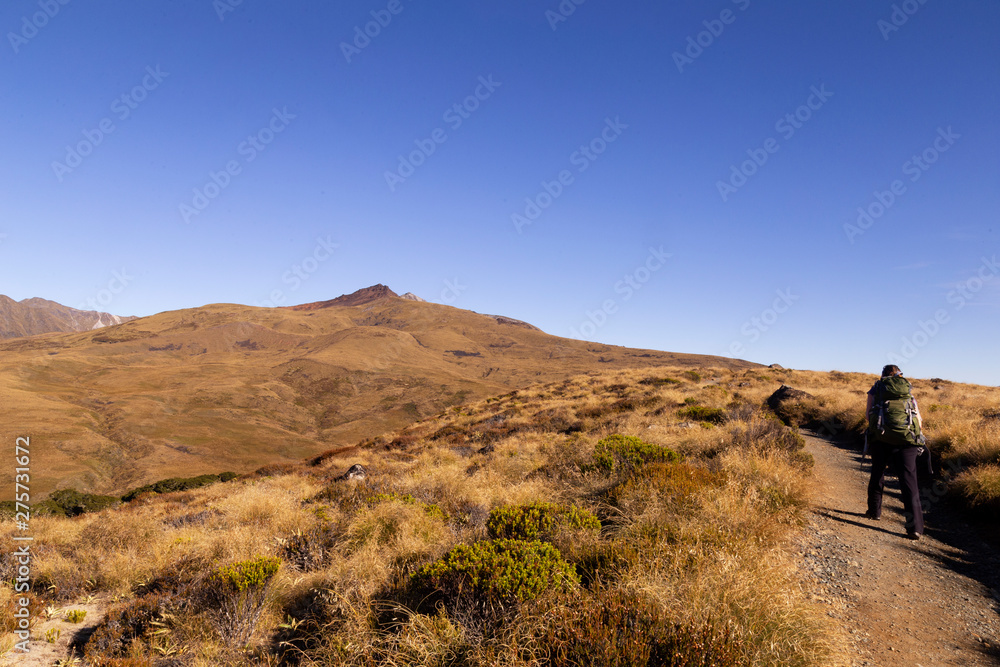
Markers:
927,603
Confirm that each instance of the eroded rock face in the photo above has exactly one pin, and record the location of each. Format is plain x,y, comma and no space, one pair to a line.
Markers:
785,394
793,406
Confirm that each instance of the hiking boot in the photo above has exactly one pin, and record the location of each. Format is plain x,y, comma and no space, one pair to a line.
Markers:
871,515
913,536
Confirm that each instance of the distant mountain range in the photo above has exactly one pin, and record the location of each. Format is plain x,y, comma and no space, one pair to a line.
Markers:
31,317
232,387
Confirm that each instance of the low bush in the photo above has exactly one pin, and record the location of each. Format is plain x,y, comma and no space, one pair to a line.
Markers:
178,484
658,382
74,503
702,414
493,577
618,452
613,627
238,594
122,632
537,521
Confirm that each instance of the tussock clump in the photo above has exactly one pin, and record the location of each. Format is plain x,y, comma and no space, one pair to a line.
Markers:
615,627
626,452
979,488
671,484
538,521
308,550
764,433
700,413
9,622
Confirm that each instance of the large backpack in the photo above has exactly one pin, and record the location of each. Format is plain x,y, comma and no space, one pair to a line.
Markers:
894,418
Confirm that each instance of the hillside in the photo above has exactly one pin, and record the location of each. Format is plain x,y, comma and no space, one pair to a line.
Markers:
31,317
229,387
623,517
658,516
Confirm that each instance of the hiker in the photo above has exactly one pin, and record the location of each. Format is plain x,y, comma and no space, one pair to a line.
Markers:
895,438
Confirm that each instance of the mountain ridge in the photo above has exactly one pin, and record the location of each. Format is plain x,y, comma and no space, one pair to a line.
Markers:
35,316
231,387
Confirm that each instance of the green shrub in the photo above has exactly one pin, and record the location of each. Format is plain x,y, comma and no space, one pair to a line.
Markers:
611,627
494,576
537,521
178,484
238,593
694,376
658,382
702,414
625,451
74,503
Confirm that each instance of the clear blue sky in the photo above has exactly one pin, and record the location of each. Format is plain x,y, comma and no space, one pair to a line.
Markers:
622,122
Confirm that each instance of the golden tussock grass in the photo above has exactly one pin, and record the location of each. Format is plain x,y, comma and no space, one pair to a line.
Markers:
704,541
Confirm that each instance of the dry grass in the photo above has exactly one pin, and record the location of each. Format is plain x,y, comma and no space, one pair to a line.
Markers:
703,543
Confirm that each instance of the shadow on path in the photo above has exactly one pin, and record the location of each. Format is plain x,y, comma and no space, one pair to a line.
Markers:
972,546
841,517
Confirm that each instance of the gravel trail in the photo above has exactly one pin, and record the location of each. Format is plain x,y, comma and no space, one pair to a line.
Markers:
927,603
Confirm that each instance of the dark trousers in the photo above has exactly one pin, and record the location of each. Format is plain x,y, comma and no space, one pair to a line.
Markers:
904,462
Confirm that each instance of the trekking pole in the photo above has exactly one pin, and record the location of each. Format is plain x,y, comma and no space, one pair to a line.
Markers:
864,452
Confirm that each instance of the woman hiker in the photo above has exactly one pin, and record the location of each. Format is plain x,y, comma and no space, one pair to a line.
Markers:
895,438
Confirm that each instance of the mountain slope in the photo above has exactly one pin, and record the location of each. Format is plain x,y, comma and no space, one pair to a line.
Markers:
235,387
31,317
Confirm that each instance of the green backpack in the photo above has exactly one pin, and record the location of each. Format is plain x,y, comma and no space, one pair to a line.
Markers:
894,418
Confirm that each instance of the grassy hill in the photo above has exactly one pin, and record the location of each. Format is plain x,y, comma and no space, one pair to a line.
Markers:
629,515
228,387
637,516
